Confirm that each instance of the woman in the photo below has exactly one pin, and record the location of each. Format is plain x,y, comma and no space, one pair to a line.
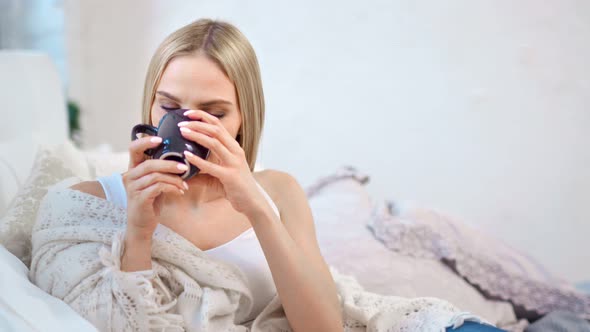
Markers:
259,221
210,68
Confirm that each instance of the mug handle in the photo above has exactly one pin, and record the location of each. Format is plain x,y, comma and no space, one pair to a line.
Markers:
144,129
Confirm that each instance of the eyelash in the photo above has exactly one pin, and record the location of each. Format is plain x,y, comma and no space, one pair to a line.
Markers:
168,109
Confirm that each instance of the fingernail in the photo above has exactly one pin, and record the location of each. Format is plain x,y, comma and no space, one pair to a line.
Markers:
181,191
189,112
182,167
184,129
183,123
156,139
188,153
185,185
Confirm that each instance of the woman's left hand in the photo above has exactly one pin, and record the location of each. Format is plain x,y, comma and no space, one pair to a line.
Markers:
233,170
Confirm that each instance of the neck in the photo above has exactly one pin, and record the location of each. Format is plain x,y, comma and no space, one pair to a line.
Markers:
203,188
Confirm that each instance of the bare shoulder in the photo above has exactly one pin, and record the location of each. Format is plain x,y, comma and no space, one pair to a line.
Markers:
294,208
90,187
279,185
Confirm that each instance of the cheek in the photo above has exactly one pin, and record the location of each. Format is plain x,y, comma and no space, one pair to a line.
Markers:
234,125
156,115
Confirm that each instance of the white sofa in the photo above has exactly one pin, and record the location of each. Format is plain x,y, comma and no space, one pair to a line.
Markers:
33,112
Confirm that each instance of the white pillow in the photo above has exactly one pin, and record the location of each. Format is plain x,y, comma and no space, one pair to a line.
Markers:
342,207
25,307
15,164
52,164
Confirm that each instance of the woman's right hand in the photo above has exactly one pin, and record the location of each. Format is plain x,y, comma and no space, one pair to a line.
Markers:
145,181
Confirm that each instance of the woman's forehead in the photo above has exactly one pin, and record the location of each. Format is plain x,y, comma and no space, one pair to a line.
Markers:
196,77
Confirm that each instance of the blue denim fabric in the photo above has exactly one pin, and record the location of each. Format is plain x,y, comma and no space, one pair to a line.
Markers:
474,327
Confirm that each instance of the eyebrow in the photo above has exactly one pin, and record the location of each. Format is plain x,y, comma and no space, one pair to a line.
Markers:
203,104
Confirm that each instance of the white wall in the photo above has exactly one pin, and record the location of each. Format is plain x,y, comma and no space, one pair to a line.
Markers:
477,108
34,25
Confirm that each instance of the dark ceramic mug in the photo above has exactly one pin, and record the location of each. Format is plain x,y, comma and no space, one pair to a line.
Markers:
173,143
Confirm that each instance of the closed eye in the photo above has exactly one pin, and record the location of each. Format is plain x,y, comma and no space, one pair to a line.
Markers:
168,109
217,115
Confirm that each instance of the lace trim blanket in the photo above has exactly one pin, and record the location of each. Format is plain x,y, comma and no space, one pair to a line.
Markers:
77,243
497,270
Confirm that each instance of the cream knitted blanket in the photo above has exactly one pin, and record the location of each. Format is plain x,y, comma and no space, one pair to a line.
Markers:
77,243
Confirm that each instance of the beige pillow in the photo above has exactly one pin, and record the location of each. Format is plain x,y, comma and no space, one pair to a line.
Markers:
342,207
52,165
103,163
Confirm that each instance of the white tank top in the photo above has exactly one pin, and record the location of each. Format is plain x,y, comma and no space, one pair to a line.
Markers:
244,250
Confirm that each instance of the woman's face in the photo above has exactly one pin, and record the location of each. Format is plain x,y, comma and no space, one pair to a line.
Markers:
196,82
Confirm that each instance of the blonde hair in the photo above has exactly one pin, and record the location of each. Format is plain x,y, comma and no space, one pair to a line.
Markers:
228,47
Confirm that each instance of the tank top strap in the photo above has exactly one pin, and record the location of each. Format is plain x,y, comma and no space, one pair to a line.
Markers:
272,203
114,189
